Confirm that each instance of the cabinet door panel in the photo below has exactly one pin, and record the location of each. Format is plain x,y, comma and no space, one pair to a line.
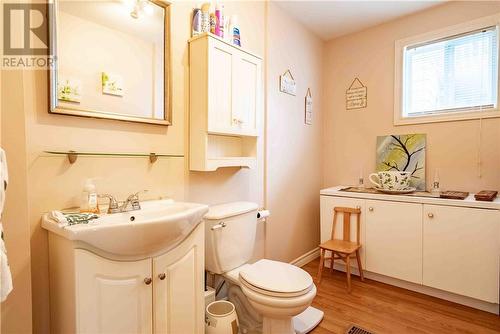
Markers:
112,296
394,239
220,87
179,303
245,91
461,251
327,205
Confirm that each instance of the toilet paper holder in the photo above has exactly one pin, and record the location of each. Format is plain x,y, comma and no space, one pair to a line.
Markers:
262,214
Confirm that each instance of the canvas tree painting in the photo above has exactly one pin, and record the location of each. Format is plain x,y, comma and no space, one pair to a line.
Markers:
403,153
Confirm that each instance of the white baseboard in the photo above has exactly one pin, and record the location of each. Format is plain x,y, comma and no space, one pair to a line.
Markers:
306,258
452,297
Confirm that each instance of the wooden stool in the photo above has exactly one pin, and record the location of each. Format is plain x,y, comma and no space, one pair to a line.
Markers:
342,249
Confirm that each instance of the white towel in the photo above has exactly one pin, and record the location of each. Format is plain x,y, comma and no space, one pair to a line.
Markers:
69,219
5,275
58,217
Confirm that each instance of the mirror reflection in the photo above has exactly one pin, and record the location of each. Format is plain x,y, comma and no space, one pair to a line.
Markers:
111,60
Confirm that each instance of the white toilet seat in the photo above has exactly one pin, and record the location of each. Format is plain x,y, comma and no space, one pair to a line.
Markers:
273,293
276,278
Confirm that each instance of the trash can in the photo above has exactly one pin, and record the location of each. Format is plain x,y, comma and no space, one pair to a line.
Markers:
221,318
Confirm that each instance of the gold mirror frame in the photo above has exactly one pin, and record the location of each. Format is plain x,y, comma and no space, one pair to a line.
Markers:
53,100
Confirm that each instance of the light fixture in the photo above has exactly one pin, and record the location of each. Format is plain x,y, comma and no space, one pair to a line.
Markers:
141,6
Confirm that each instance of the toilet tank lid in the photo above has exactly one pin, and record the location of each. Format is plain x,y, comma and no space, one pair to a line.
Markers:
232,209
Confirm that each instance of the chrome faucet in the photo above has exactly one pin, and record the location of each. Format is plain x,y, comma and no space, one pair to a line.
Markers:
133,201
130,204
113,204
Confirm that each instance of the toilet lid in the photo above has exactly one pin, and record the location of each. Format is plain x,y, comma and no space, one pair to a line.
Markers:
276,276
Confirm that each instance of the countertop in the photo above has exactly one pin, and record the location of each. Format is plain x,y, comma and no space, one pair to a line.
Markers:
469,202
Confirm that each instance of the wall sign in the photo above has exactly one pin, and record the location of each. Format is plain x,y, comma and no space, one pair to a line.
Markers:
287,83
356,95
308,107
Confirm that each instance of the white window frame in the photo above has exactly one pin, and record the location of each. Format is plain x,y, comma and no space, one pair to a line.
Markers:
458,29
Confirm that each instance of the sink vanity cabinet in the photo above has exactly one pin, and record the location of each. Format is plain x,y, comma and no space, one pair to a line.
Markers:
446,248
94,294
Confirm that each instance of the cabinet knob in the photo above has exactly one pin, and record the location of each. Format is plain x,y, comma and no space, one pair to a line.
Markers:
162,276
148,280
370,209
430,215
358,207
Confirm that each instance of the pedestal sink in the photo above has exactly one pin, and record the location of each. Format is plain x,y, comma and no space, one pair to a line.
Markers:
158,227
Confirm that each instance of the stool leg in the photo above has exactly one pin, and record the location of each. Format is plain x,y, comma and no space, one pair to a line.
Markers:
321,263
348,272
332,262
358,258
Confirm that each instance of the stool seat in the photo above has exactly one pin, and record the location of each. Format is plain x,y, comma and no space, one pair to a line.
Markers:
340,246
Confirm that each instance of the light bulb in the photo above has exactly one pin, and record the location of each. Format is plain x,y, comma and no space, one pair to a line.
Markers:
129,4
148,8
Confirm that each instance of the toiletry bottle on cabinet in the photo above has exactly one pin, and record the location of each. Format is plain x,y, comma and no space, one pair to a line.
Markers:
89,198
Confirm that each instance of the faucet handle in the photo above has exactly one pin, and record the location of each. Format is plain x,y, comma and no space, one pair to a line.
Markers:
134,199
113,204
135,196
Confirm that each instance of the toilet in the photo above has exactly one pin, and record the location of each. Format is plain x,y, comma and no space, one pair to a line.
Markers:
269,296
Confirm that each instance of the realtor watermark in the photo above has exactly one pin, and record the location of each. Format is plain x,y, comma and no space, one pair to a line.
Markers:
26,41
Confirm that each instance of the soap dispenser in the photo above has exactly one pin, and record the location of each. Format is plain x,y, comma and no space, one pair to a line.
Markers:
89,197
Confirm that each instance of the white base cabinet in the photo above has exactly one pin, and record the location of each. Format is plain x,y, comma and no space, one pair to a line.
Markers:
461,251
453,246
92,294
394,239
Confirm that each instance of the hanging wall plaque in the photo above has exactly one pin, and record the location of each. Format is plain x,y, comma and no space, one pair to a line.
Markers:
287,83
308,107
356,95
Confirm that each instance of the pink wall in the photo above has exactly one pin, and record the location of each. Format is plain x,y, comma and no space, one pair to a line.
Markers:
86,49
294,150
350,136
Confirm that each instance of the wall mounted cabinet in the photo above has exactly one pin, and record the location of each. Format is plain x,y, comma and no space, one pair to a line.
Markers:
225,89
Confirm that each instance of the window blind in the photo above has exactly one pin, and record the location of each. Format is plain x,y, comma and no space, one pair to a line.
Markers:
453,74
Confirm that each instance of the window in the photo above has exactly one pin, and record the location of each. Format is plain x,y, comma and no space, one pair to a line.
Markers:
452,76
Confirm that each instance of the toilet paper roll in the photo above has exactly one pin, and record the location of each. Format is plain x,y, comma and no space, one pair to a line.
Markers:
263,214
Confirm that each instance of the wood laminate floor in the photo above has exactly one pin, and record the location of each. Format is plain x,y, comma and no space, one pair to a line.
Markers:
383,308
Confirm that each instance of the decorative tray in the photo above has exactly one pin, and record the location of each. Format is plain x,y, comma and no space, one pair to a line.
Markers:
375,191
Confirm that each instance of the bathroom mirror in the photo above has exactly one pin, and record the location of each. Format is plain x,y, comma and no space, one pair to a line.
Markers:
112,60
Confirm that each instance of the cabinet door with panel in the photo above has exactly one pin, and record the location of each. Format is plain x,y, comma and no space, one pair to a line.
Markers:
327,203
178,277
246,92
112,297
394,239
460,251
220,86
234,84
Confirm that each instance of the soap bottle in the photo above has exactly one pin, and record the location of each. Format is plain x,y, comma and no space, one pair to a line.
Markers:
89,198
234,31
205,17
219,17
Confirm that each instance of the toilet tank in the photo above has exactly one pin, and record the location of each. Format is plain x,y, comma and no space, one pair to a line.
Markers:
230,231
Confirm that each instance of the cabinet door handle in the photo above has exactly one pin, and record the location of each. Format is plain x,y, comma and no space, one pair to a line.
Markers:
218,226
370,209
430,215
148,280
162,276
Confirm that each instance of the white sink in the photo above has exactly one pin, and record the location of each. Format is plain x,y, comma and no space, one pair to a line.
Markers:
157,227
